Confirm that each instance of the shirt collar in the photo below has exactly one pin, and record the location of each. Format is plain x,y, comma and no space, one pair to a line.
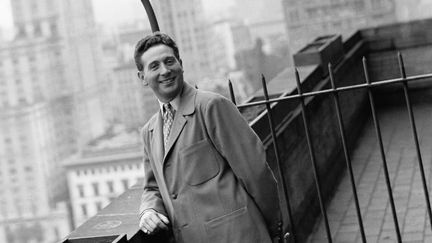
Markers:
174,103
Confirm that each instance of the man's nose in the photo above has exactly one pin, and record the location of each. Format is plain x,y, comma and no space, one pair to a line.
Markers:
164,69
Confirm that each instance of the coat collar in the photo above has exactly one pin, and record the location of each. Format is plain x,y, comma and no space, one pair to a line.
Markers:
186,105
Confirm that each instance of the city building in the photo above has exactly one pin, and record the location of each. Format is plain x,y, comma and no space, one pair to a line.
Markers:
412,10
132,103
103,170
28,152
268,25
304,20
135,104
185,22
52,88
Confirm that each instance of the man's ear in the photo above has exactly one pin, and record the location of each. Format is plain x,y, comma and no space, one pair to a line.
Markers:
140,75
181,62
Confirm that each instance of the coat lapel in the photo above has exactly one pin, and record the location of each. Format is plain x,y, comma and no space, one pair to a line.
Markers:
186,107
157,139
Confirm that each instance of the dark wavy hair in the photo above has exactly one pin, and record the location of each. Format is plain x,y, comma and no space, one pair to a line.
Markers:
153,39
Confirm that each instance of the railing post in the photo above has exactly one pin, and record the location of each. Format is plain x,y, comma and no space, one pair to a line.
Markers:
312,157
383,157
415,136
278,162
151,15
345,149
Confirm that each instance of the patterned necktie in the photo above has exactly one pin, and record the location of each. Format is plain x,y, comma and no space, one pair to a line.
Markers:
168,118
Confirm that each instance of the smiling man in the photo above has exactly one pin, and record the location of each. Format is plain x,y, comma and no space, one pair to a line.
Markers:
206,175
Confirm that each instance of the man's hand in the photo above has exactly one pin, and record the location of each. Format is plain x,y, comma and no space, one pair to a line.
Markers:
152,221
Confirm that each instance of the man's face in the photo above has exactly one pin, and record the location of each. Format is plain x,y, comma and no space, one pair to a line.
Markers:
163,72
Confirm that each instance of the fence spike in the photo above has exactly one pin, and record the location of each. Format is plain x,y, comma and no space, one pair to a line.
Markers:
278,161
312,158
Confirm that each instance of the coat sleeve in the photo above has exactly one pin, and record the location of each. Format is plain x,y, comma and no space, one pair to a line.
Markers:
243,150
151,197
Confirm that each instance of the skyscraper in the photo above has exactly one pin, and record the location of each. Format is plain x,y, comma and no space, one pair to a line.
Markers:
51,91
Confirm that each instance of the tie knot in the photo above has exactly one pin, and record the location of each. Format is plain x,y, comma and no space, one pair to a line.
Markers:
167,107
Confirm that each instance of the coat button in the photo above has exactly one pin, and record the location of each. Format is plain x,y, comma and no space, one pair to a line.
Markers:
174,196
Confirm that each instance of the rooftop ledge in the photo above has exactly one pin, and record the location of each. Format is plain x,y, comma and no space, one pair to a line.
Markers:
118,222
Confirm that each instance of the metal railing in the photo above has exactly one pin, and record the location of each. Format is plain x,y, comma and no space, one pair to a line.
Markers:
334,92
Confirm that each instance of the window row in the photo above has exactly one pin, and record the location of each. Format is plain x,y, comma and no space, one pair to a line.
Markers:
109,186
109,169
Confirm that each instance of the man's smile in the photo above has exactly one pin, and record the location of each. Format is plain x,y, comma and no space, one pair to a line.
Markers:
167,81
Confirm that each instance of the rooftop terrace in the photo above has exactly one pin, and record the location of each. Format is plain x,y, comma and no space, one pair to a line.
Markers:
119,223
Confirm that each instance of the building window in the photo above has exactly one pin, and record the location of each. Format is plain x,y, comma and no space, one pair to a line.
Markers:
28,168
22,101
84,209
110,185
57,233
125,183
95,189
54,31
81,191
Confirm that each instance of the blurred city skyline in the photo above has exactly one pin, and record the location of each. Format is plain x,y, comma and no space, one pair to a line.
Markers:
124,10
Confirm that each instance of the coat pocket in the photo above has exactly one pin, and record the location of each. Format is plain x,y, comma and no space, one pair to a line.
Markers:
200,163
236,226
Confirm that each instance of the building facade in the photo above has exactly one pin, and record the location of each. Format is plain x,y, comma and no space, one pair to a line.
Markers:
305,20
101,172
185,22
133,104
28,152
51,97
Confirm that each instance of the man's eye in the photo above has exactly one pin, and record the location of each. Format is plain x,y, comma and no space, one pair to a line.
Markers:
153,66
170,61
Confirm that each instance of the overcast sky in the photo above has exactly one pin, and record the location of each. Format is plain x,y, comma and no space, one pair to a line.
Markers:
113,11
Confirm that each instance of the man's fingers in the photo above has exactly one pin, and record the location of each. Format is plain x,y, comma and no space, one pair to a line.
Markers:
151,222
152,225
158,222
163,218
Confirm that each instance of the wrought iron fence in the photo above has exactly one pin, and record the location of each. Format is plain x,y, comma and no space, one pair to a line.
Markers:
334,92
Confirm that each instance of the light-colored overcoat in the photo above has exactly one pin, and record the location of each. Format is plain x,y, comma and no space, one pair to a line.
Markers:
212,180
